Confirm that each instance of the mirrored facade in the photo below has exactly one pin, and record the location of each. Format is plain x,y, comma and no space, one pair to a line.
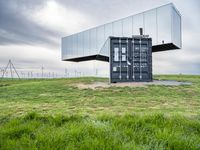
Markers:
162,24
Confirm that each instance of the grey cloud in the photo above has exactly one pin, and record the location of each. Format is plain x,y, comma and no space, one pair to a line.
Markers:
17,28
103,11
185,68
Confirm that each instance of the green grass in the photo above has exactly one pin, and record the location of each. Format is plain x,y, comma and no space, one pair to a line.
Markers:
54,114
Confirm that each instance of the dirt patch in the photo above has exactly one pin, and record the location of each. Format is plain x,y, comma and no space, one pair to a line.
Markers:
100,85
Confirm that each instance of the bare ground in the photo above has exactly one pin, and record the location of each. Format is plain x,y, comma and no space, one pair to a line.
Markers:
99,85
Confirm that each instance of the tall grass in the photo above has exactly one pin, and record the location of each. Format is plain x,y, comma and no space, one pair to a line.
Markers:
130,131
65,117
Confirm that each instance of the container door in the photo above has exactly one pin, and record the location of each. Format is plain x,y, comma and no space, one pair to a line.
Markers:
115,61
125,61
140,60
130,60
135,60
120,61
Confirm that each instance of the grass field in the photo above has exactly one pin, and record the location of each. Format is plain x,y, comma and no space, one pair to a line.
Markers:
54,114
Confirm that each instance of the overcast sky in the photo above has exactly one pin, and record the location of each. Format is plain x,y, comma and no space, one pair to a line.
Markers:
31,31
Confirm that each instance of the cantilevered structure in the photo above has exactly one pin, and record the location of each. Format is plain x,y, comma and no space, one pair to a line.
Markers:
162,24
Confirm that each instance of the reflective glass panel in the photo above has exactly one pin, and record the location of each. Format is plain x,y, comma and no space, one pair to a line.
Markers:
86,42
150,25
117,28
70,50
138,23
64,47
105,49
100,37
176,28
75,45
80,44
127,27
67,46
93,41
164,24
108,30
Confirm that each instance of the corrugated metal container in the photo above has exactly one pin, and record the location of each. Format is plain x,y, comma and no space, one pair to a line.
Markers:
130,59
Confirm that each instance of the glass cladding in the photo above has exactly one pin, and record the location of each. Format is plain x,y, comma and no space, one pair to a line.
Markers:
138,23
162,24
105,48
75,45
108,30
176,28
127,26
80,45
100,37
93,41
86,43
117,28
67,46
64,47
150,25
70,46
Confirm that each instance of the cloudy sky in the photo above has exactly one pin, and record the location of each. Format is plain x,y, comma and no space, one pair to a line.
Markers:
31,31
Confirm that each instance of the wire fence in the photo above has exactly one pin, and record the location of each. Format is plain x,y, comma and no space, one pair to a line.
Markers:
36,72
48,75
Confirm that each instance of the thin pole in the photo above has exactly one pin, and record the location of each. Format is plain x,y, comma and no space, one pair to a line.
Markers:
10,69
5,70
14,69
42,71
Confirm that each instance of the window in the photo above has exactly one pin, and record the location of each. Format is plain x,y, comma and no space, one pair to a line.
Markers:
123,57
123,49
114,68
116,54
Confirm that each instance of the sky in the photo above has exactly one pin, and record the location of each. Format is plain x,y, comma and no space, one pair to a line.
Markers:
31,31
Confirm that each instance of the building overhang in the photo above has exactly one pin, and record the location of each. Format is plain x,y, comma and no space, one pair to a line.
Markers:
162,24
87,58
156,48
164,47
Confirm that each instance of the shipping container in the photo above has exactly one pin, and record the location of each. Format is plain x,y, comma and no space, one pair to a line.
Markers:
130,59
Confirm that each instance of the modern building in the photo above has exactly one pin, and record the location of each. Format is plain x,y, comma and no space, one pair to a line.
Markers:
162,24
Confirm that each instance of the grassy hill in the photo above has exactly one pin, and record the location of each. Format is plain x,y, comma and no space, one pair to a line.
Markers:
55,114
